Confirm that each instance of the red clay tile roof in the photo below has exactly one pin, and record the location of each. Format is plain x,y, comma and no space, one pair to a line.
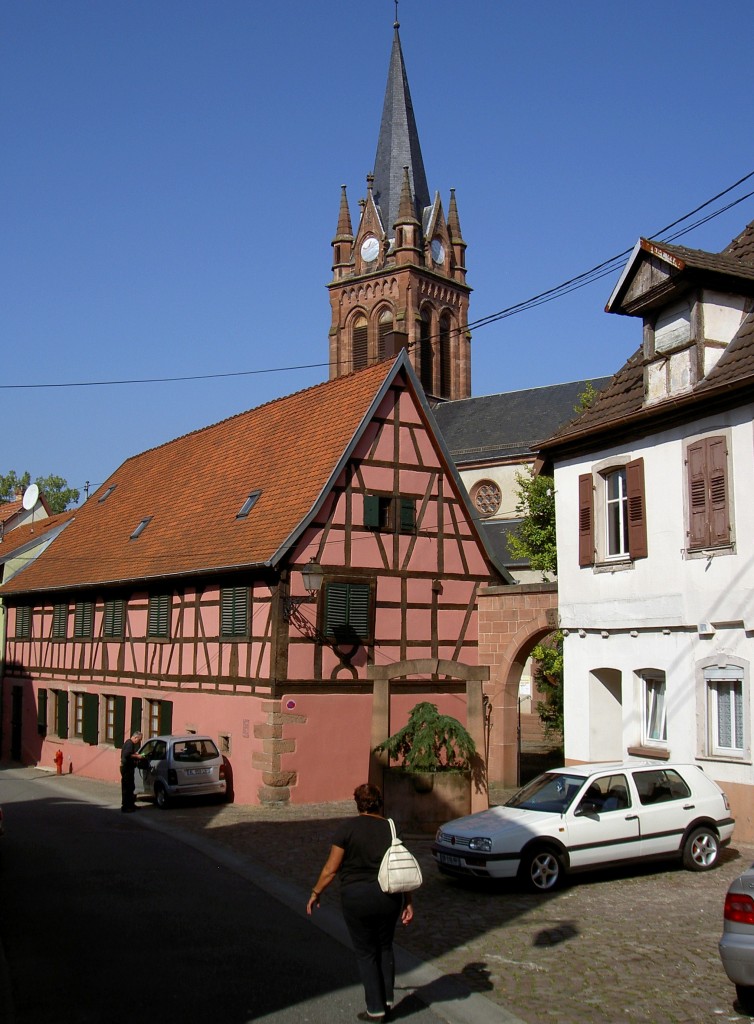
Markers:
9,509
193,488
15,539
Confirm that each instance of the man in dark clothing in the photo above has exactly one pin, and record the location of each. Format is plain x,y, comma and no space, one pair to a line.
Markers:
128,761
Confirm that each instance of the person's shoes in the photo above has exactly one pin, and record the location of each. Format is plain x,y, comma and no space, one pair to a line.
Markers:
364,1015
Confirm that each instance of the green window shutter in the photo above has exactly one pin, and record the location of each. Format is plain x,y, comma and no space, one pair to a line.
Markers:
358,609
347,611
60,621
83,619
166,717
135,715
159,616
114,618
234,611
407,514
372,511
42,712
62,722
90,724
23,621
336,607
119,722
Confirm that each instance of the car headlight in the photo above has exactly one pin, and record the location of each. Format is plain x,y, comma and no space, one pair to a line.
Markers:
480,844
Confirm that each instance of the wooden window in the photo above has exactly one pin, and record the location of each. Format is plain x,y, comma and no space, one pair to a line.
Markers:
347,612
234,611
654,700
136,712
78,714
115,720
385,329
616,514
359,345
83,620
406,515
60,621
23,622
158,618
377,509
708,499
42,712
159,717
115,618
726,711
90,718
637,520
586,520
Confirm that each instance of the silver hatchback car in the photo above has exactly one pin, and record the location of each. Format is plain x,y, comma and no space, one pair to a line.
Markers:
737,942
178,766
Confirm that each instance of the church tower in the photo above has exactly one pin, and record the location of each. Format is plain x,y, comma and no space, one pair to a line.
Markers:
400,279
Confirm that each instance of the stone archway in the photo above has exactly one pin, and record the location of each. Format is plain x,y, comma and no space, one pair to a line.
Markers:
512,620
436,669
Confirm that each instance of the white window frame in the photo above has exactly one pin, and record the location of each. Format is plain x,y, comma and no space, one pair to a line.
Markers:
616,508
654,691
725,670
601,472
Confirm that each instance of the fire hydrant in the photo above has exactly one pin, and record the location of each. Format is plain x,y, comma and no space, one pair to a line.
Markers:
59,762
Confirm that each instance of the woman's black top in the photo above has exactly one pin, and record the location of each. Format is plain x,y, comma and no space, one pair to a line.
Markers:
365,840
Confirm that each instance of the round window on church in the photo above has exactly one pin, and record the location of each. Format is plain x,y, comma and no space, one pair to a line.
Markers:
487,498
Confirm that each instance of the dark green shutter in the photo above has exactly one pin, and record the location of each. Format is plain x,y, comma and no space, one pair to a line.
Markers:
336,607
372,511
159,615
42,712
166,717
135,715
234,611
114,618
358,609
347,610
90,724
119,722
62,722
407,508
83,619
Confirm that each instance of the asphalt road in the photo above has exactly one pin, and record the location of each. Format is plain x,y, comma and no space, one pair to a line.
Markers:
105,921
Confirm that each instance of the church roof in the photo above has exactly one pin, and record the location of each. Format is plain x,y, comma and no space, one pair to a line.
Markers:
398,146
494,428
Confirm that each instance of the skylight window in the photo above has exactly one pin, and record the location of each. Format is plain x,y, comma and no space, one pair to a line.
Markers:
248,505
107,494
141,528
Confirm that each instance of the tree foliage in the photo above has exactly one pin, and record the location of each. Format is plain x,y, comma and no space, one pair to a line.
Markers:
586,398
548,674
55,489
430,742
534,539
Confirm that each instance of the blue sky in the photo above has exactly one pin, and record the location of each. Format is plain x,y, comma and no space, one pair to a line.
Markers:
171,175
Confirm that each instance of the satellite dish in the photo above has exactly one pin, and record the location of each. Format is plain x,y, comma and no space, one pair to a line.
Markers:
31,497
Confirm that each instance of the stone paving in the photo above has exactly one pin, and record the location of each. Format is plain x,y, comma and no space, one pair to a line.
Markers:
632,946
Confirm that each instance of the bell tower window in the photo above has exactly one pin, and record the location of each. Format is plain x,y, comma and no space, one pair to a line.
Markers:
359,346
385,325
425,352
446,372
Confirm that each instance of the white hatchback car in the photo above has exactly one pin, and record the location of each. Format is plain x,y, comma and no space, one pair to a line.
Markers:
589,816
177,766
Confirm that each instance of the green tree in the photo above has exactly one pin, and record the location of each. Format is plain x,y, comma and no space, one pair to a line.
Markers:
55,489
548,674
586,398
534,539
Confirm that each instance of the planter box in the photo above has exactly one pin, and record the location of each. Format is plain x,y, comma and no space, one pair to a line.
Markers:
422,801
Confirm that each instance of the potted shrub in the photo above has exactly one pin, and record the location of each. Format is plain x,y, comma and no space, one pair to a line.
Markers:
437,762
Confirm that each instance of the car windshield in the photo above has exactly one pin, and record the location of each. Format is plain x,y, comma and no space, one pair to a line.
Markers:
548,792
194,750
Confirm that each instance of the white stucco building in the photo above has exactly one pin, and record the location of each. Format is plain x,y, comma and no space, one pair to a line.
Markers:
655,518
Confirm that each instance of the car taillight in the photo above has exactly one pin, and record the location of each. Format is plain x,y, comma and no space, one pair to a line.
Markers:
739,908
172,777
222,771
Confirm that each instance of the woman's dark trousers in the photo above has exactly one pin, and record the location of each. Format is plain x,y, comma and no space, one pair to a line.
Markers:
371,916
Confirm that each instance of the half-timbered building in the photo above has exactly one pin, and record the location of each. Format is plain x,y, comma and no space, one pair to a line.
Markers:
242,581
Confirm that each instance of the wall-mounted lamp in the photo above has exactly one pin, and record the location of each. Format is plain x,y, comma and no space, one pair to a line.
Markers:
311,576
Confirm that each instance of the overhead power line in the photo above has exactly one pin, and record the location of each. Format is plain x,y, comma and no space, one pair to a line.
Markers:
588,277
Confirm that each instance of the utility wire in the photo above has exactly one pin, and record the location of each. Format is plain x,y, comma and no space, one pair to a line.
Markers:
588,277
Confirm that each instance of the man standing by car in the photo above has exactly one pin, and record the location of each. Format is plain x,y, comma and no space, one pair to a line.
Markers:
128,761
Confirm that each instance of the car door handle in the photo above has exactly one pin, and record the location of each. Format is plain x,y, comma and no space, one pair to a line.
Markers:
631,817
689,807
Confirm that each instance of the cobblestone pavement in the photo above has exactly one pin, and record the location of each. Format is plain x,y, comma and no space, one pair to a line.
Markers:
634,945
631,946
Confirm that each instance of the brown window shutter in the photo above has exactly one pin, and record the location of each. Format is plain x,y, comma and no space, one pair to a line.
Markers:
717,469
586,520
697,479
637,518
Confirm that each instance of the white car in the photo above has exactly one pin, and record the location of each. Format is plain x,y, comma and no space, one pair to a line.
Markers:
178,766
588,816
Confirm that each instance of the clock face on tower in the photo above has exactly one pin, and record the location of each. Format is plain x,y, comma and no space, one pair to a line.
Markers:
438,251
370,249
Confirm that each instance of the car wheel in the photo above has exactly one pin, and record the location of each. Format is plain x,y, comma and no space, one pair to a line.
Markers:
541,870
701,849
161,797
745,995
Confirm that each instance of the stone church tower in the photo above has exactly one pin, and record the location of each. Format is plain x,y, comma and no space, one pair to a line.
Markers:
400,279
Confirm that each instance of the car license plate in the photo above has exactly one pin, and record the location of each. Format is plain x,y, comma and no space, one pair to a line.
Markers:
452,862
198,771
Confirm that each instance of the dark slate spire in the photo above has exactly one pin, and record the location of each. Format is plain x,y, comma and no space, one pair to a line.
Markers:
398,146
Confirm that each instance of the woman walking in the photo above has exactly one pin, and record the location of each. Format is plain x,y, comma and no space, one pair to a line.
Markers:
370,914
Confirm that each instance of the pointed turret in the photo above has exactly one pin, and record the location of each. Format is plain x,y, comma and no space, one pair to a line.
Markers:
398,146
342,244
456,238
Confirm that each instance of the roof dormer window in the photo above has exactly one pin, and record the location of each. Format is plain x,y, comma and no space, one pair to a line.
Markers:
673,327
107,494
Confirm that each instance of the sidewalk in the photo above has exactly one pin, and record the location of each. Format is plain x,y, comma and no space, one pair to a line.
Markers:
631,945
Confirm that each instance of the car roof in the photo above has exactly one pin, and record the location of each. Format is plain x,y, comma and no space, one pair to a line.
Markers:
597,768
188,736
